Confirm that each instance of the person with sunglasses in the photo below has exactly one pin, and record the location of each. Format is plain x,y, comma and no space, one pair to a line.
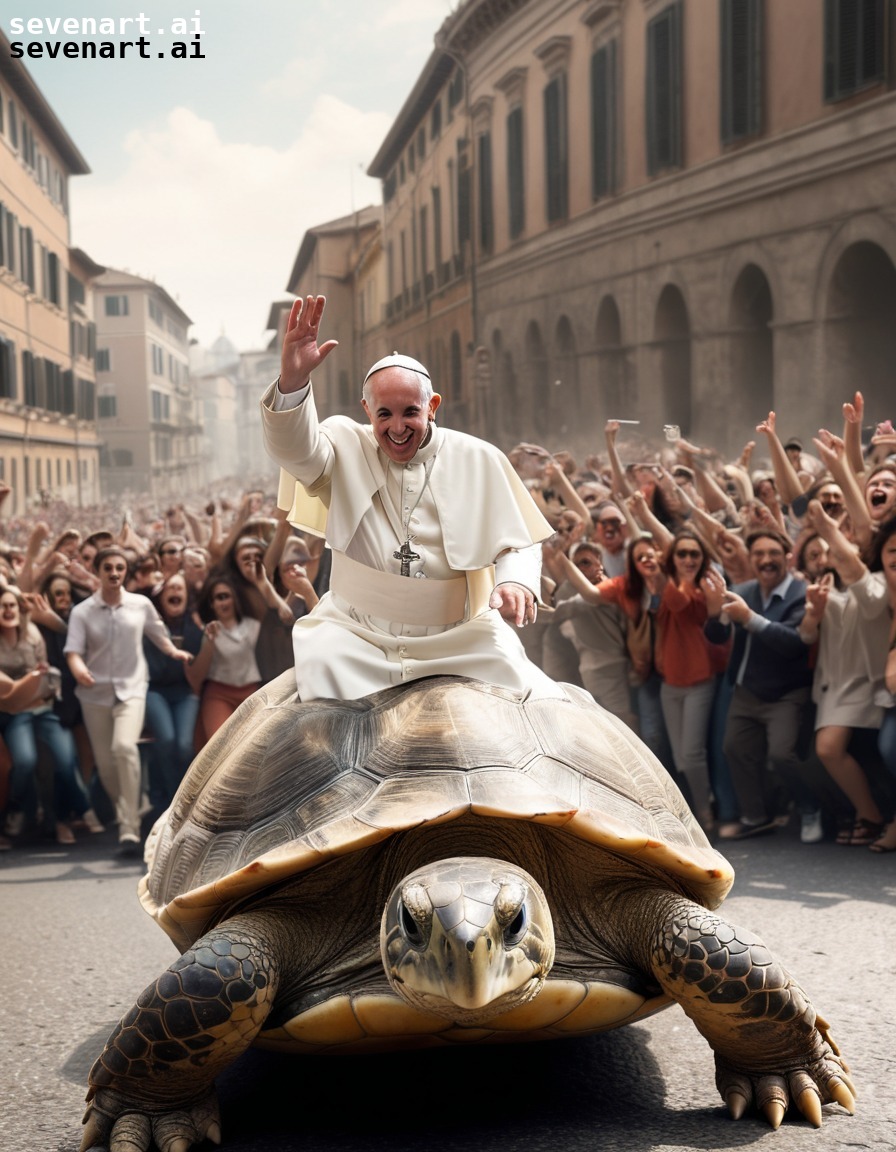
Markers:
171,704
688,665
170,551
104,650
225,671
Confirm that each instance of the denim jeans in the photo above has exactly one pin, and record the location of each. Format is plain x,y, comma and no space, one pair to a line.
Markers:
686,710
886,740
651,724
171,718
727,809
21,732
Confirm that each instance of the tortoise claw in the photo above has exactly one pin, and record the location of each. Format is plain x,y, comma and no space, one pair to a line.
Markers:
842,1095
131,1132
774,1112
809,1103
94,1133
737,1103
114,1123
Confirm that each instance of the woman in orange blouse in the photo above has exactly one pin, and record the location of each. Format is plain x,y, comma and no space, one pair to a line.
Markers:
688,666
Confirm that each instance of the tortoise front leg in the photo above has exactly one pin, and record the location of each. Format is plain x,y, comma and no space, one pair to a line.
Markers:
153,1082
771,1048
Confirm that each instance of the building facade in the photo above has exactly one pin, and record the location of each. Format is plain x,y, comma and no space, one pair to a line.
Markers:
339,259
147,408
671,211
428,252
49,447
255,371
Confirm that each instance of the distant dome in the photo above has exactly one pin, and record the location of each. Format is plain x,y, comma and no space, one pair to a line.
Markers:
224,354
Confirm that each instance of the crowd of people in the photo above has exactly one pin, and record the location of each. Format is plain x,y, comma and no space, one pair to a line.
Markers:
740,618
124,647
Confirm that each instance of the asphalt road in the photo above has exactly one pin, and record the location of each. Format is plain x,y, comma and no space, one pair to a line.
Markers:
79,949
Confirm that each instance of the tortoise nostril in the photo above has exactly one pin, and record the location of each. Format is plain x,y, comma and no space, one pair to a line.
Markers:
470,945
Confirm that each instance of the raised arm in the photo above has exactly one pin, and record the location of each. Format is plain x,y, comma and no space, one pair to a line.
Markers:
556,478
708,489
577,578
620,480
274,550
832,451
301,354
197,672
27,578
843,556
786,479
637,506
269,593
853,412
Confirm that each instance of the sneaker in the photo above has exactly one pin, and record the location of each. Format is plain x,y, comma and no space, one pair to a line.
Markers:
744,829
129,848
64,834
92,822
811,830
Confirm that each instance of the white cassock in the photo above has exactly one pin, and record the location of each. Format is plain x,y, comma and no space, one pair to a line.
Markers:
464,513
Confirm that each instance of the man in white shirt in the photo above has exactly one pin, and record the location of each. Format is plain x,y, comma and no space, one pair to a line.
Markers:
104,650
416,517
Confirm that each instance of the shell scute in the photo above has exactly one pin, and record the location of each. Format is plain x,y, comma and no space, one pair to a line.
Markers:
286,786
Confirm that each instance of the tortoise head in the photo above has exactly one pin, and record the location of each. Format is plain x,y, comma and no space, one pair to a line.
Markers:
467,938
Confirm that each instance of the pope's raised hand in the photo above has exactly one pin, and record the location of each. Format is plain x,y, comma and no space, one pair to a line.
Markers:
301,353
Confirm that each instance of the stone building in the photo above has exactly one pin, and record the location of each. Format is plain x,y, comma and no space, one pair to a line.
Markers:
147,406
341,260
48,437
671,211
229,385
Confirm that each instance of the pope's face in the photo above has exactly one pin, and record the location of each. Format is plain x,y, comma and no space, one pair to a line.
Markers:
398,413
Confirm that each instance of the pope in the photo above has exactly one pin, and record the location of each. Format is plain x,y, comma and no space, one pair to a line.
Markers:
435,539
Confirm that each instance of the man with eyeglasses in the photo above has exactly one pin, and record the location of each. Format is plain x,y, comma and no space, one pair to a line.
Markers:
610,535
769,669
104,650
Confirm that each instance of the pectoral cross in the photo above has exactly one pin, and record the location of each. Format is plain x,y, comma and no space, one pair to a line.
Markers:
406,554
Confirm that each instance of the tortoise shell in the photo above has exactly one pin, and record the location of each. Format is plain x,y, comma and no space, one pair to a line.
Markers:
286,786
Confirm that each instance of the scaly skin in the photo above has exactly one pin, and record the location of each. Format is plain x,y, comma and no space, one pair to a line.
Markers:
152,1084
771,1048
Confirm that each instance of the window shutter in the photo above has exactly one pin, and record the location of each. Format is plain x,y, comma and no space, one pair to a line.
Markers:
486,207
603,120
515,176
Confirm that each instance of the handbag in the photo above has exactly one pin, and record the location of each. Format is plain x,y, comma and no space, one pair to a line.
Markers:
640,641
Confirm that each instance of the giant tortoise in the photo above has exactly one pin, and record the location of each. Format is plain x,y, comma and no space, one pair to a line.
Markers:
442,863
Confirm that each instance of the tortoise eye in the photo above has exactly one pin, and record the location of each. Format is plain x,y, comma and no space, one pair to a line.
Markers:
411,929
516,929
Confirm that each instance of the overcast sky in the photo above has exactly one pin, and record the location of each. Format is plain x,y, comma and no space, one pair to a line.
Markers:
205,174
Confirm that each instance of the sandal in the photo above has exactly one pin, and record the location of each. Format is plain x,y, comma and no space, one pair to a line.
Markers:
887,842
861,835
